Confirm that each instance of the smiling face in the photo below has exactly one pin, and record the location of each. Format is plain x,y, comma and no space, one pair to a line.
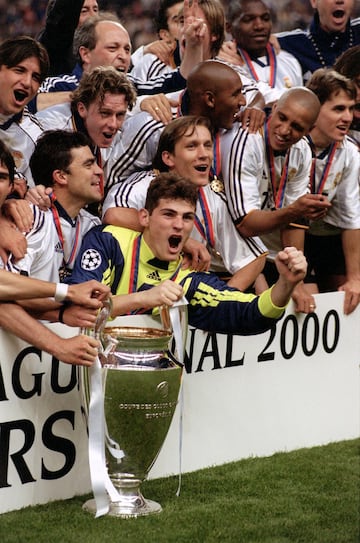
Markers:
113,48
168,227
252,27
289,122
103,119
333,14
82,179
19,84
192,156
334,120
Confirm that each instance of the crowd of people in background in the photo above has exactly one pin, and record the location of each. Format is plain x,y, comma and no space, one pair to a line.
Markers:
28,16
136,160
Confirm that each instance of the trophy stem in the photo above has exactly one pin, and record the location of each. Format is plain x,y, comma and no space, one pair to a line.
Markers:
131,502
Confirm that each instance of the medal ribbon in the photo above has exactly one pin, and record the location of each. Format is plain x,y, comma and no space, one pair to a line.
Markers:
206,230
278,194
326,170
272,63
57,223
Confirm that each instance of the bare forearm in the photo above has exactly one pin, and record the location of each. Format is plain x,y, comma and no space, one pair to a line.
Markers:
247,275
13,287
16,320
123,216
293,237
48,99
126,303
260,221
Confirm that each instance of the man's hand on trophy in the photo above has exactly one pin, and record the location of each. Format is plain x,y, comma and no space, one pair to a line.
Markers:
78,315
80,350
91,294
167,293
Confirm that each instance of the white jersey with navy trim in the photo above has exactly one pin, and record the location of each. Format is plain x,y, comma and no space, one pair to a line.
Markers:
246,172
44,256
246,175
341,187
20,137
230,251
149,66
288,71
135,149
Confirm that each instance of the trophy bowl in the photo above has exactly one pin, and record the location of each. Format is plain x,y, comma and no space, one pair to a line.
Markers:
141,383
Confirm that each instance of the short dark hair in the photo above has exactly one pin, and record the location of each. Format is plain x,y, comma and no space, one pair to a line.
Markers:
53,152
173,132
324,82
7,160
15,50
161,20
98,82
170,186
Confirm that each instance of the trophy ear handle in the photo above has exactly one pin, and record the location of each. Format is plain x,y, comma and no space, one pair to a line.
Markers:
103,317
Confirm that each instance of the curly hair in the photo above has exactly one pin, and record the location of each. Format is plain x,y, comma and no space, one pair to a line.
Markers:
95,84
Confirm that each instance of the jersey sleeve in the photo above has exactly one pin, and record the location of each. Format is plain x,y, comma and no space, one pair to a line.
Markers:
100,258
241,166
216,307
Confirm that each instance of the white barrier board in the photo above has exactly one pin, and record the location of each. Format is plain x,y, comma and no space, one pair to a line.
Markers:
297,386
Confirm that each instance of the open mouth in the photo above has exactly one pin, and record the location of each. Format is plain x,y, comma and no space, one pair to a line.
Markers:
108,135
174,241
201,168
338,14
20,96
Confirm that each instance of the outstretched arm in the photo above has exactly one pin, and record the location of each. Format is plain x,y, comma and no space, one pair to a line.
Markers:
291,265
18,287
80,350
166,293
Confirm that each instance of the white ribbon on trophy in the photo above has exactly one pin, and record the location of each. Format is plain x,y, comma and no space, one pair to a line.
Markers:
178,318
101,484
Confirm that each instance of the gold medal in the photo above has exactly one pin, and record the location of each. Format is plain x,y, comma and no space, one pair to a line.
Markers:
217,185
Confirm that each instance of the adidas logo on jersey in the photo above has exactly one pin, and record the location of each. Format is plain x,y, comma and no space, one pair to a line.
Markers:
58,248
154,276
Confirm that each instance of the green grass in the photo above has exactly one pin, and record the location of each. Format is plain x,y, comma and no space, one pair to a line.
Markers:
309,495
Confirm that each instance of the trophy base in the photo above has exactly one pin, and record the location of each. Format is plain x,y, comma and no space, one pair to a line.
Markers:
127,509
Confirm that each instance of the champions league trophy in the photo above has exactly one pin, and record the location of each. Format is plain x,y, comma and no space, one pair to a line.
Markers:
139,381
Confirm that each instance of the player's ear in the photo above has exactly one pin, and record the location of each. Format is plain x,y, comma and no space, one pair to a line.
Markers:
60,177
144,217
167,159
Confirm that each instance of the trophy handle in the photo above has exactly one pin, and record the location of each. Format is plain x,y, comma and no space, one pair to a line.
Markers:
102,318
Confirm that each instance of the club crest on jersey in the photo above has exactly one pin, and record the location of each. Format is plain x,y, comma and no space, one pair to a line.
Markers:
90,260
